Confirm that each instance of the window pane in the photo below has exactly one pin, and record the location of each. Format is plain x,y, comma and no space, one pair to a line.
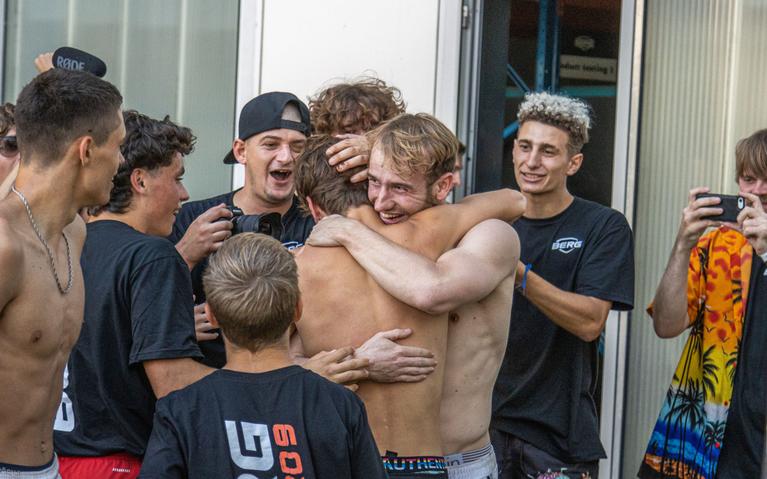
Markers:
174,57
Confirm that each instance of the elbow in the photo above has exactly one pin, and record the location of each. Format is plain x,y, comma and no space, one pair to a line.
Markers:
589,334
663,331
431,303
591,331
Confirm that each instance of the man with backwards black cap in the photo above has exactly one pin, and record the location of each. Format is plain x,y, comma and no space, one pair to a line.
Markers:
272,133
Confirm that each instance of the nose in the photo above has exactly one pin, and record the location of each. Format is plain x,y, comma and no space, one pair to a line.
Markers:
382,200
285,154
184,194
760,188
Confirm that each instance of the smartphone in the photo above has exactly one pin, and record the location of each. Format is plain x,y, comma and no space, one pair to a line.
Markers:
731,204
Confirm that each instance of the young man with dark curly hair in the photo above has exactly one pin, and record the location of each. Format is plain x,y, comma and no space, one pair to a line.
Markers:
138,336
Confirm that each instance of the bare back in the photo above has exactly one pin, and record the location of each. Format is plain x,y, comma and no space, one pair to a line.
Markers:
38,327
344,306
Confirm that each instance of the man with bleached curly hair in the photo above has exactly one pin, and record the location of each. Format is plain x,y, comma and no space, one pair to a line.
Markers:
576,264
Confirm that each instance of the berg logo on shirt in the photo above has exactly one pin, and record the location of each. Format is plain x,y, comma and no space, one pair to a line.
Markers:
566,245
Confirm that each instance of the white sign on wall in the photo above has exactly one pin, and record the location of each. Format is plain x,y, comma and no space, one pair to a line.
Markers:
588,68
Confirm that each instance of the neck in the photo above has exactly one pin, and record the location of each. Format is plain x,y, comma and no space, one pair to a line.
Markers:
548,204
50,194
252,204
131,218
267,359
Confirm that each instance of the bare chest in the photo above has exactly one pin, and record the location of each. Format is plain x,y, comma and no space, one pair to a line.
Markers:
41,321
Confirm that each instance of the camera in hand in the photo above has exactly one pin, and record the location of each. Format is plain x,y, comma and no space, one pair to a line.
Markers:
269,224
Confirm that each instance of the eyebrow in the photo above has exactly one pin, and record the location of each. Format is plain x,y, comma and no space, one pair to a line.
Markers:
541,145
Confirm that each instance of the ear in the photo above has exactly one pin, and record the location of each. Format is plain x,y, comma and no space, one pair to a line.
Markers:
317,212
84,145
138,180
574,164
442,187
211,317
299,310
238,149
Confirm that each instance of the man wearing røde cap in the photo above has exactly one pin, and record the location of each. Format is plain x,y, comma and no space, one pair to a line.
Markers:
272,133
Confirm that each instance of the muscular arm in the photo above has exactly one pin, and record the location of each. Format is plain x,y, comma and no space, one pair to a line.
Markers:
583,316
168,375
483,258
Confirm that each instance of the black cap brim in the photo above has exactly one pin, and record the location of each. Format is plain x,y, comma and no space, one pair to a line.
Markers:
229,159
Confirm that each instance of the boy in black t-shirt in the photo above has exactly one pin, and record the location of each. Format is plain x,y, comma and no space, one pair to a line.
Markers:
260,416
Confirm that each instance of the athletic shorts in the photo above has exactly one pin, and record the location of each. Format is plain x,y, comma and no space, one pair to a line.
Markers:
114,466
47,471
414,467
477,464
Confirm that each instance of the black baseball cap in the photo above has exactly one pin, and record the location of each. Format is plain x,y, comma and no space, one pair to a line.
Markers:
265,112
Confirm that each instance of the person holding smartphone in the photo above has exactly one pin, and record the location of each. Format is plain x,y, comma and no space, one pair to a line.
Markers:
712,421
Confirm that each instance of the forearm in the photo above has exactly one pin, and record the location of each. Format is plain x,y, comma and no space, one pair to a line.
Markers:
168,375
669,310
581,315
386,261
505,204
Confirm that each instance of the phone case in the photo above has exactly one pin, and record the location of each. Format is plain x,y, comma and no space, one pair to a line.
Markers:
731,204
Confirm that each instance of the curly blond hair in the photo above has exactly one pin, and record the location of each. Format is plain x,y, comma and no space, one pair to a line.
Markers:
569,114
354,107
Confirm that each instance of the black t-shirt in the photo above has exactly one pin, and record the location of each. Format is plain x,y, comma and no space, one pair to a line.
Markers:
138,307
296,227
544,392
289,421
743,442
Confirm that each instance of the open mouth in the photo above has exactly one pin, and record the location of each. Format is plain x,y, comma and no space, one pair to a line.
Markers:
281,174
391,218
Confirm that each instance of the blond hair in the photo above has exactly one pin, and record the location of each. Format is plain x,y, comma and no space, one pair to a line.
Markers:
251,285
417,143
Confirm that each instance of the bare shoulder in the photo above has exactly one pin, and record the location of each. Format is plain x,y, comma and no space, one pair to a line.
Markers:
11,259
493,241
492,231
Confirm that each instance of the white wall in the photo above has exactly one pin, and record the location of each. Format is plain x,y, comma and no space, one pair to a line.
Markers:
302,46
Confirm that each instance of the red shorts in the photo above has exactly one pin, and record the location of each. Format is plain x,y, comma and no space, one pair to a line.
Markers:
114,466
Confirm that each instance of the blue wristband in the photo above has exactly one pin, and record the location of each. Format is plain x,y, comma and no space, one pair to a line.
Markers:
528,267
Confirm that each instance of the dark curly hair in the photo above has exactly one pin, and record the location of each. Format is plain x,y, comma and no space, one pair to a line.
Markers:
6,118
149,144
354,107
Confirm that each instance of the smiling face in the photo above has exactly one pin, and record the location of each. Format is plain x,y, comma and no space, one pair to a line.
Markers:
542,162
396,198
269,160
165,193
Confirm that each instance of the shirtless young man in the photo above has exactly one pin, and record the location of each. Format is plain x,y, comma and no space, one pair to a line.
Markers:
70,129
404,417
475,283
